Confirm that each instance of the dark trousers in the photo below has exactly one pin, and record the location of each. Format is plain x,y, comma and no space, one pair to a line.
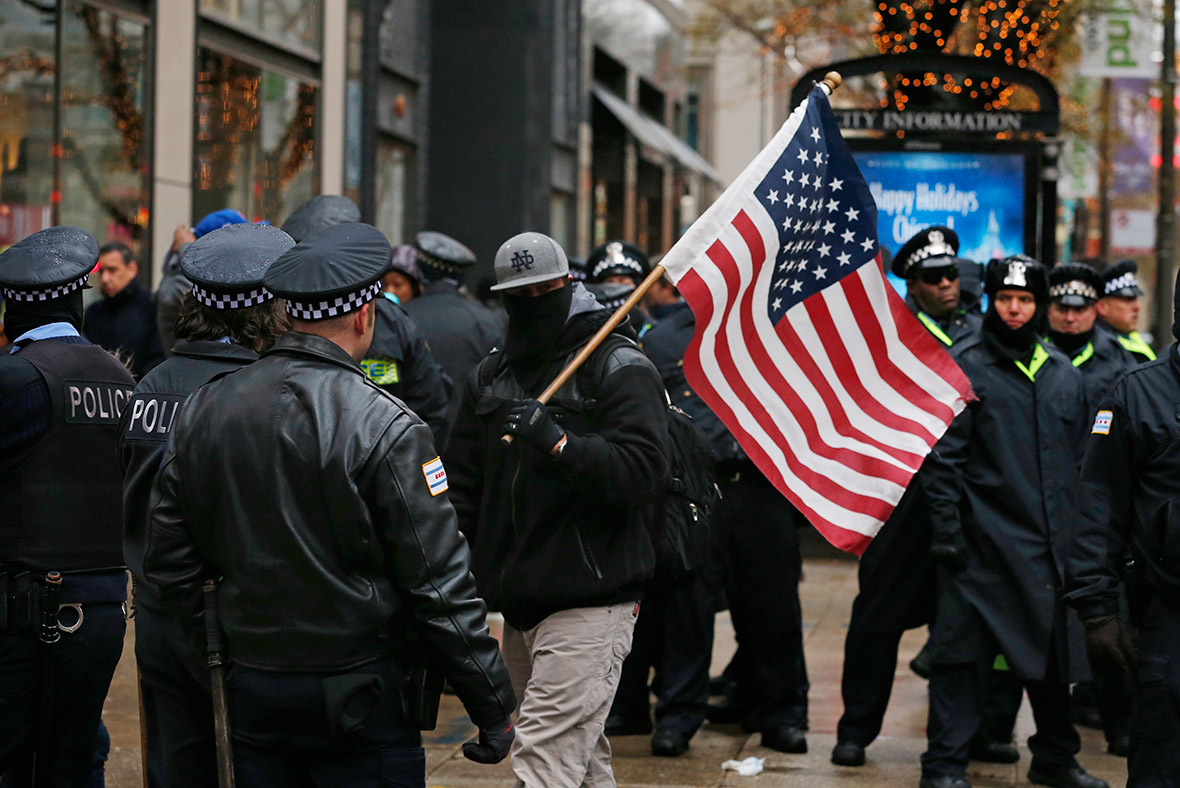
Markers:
957,703
177,704
763,564
344,730
1154,760
84,662
674,635
870,660
1003,694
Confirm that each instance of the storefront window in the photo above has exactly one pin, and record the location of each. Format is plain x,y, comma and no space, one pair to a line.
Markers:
101,182
255,146
393,169
295,23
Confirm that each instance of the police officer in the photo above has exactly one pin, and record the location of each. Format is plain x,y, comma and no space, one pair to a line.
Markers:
460,330
1118,309
399,360
1002,489
1130,505
61,499
623,266
318,498
895,574
224,322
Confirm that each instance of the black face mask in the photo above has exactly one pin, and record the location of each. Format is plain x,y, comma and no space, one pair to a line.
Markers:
1010,342
22,316
1070,343
534,322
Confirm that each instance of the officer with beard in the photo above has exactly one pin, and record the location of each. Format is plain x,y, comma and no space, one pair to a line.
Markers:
895,574
1131,504
399,359
1002,487
1118,309
60,510
224,322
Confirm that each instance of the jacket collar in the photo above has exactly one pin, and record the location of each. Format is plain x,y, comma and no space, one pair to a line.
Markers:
300,344
208,348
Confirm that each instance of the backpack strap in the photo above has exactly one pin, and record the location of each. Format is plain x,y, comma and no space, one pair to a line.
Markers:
590,373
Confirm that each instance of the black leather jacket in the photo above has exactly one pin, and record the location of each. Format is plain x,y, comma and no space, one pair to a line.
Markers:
306,487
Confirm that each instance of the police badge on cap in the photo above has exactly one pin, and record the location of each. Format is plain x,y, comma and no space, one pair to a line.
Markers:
1074,284
617,258
934,247
1121,280
1018,272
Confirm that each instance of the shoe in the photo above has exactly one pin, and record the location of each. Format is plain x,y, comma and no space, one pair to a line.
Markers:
618,725
943,782
848,753
722,685
993,752
669,742
1120,746
1085,714
1073,777
784,738
724,713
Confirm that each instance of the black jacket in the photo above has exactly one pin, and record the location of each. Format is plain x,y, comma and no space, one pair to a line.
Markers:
1005,473
143,435
305,486
962,324
400,362
459,332
1101,361
551,534
1131,491
125,324
665,344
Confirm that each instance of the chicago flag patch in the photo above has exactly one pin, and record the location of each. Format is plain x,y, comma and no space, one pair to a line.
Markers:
436,476
1102,423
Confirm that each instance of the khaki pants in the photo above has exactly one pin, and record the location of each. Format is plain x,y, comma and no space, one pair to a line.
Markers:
565,672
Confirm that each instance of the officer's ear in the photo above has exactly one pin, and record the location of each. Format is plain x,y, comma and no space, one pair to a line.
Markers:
363,319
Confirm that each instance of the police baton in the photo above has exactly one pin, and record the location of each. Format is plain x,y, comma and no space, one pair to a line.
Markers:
830,82
215,659
49,635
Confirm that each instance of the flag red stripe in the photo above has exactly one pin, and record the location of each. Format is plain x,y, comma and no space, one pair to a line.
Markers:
700,300
924,346
753,341
878,346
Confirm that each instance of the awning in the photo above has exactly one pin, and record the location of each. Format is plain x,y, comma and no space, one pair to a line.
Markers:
654,135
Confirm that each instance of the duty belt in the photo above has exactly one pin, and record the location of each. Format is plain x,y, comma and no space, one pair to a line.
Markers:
24,594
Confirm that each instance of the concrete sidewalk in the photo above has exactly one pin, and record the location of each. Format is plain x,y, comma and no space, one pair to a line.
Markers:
828,589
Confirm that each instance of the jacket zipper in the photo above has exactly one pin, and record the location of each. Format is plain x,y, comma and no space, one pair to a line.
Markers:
587,555
515,532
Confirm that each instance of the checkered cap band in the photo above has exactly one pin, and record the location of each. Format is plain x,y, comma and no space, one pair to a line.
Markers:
231,300
1119,282
616,261
1075,287
335,307
45,295
439,264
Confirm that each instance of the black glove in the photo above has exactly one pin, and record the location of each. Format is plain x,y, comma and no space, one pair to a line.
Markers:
1111,653
493,743
529,419
949,549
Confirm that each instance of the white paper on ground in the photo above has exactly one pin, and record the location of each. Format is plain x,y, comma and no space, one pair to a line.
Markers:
747,768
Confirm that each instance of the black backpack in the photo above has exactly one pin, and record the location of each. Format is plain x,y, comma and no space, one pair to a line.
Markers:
681,523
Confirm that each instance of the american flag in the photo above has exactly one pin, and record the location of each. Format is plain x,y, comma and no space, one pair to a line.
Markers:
802,347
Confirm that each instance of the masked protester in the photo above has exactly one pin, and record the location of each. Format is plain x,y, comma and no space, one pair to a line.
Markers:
1126,545
558,520
60,504
896,575
319,500
1118,309
226,320
1002,485
399,359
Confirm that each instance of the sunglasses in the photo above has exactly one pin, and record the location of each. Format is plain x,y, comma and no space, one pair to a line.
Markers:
932,276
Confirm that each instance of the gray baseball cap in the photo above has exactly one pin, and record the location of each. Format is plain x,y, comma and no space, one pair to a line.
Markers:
527,259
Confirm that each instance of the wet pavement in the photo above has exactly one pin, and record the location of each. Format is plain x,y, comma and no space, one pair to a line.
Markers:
827,592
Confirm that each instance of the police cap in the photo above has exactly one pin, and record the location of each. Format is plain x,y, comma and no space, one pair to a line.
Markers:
578,270
441,256
226,266
1121,280
617,258
320,213
332,273
1074,284
1018,272
48,264
934,247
